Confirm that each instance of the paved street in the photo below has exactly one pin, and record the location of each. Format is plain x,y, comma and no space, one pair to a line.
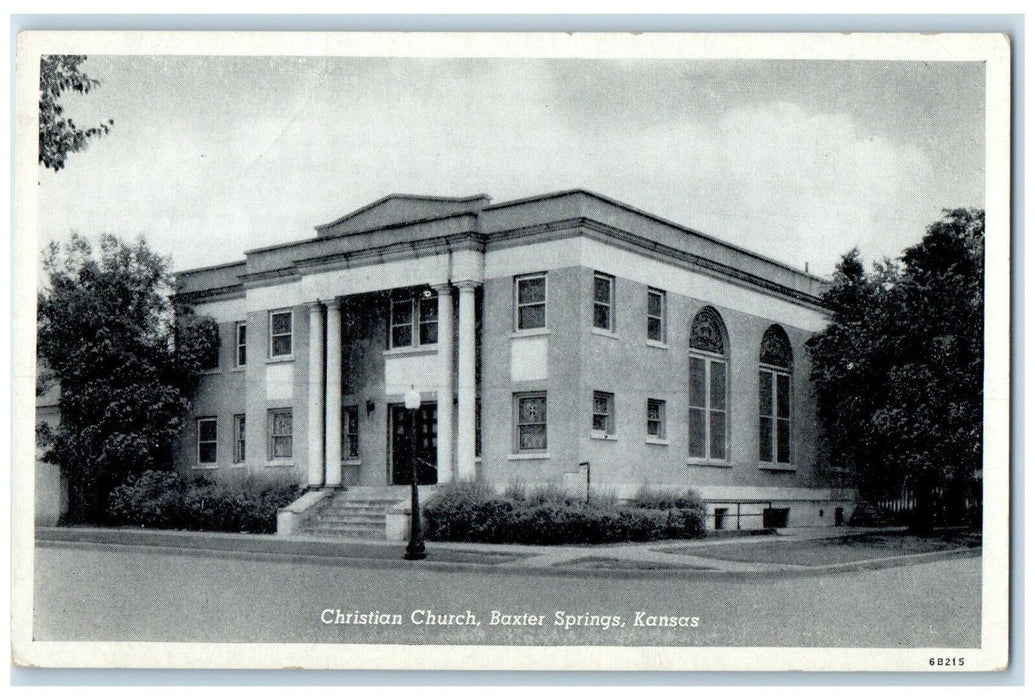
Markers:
133,594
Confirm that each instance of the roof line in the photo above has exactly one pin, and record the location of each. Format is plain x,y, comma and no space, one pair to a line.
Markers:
661,219
426,197
210,267
382,227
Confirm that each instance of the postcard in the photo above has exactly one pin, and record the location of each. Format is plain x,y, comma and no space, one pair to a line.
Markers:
512,351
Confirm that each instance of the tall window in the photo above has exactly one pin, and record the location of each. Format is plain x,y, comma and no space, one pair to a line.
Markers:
241,334
280,333
709,438
530,302
656,419
603,413
603,301
414,320
350,432
656,315
239,439
280,434
775,365
207,441
530,425
428,319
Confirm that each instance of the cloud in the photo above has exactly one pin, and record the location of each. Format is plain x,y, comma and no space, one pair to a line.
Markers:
249,152
794,185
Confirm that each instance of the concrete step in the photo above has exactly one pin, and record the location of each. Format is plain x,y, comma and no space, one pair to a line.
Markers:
361,505
359,512
358,532
366,522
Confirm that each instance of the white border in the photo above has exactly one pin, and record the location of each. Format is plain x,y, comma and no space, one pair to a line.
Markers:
991,48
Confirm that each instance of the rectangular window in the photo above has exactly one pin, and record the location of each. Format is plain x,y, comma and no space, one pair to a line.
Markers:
280,432
206,441
656,419
603,301
407,326
531,422
656,315
428,321
350,432
530,302
707,419
402,323
774,416
280,333
242,345
239,439
603,413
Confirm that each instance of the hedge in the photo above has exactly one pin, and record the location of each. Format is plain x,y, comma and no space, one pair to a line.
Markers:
169,500
470,512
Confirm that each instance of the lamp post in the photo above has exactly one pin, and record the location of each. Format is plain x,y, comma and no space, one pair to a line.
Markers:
415,549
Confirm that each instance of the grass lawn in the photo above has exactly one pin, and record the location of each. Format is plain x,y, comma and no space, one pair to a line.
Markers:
841,550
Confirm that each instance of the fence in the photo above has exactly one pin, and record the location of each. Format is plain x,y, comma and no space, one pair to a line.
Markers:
899,507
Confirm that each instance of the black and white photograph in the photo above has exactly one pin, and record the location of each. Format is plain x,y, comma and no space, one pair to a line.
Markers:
548,352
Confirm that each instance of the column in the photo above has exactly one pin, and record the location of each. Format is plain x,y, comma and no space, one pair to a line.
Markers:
316,391
445,382
332,405
465,385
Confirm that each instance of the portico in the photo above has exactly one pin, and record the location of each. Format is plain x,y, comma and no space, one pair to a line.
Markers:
443,371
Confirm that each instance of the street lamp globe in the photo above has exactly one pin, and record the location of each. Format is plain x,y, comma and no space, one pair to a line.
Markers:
412,399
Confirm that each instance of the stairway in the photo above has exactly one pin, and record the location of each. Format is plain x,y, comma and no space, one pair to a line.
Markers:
358,513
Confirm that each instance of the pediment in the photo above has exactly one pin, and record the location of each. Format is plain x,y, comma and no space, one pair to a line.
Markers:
399,209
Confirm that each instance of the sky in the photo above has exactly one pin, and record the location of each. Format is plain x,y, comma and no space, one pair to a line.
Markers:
797,160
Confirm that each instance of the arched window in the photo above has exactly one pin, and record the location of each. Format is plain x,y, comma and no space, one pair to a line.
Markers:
709,423
775,365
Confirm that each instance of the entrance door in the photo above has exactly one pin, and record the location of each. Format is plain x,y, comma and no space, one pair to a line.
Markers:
427,445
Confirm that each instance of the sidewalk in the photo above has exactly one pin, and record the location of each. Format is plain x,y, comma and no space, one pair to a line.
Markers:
667,557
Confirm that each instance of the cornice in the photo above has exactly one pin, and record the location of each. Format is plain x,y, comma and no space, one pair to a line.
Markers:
402,250
604,233
227,293
500,240
698,263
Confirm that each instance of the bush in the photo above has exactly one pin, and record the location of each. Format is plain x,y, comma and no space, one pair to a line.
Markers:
471,512
665,499
169,500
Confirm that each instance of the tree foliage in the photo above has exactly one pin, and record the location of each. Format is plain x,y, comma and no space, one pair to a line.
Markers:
59,135
898,373
127,359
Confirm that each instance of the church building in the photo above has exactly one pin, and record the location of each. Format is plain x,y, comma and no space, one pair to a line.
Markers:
560,339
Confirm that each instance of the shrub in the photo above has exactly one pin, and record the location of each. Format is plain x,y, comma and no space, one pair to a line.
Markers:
550,493
547,515
169,500
665,499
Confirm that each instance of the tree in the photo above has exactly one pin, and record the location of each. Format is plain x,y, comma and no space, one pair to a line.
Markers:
898,373
127,359
59,135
